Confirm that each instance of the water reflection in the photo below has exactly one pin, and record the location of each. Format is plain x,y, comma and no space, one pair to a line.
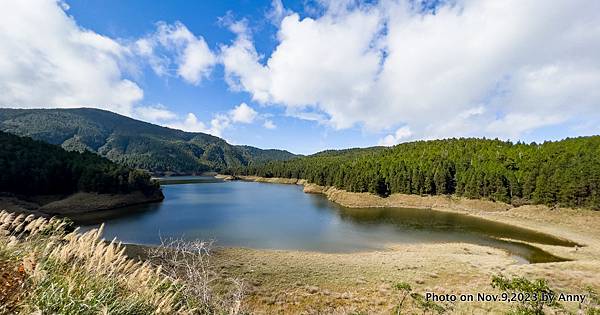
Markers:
283,217
446,222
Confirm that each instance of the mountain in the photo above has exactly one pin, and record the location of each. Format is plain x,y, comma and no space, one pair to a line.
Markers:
132,142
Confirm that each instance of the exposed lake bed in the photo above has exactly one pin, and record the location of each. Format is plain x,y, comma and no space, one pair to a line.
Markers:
311,282
432,250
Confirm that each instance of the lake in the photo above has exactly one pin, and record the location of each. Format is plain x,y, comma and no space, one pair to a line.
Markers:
272,216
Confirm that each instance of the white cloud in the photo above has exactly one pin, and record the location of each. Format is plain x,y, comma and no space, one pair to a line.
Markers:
269,124
190,123
161,115
47,60
193,58
65,6
473,68
277,12
242,68
243,114
514,125
400,135
220,122
317,62
153,113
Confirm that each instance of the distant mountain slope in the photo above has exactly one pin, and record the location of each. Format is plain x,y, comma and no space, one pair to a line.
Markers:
132,142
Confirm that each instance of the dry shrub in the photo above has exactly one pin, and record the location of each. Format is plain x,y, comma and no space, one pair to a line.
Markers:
79,273
189,261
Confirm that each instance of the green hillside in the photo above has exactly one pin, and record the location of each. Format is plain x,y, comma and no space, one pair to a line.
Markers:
564,172
132,142
31,167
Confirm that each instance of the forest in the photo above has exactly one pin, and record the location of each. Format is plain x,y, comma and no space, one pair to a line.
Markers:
31,167
565,173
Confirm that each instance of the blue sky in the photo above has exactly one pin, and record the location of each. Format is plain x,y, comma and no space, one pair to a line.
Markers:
312,75
136,19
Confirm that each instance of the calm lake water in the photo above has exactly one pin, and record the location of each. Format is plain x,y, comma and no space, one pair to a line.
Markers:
260,215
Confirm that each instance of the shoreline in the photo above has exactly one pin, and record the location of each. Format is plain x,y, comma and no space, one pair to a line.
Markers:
78,203
367,278
485,209
292,281
367,200
565,223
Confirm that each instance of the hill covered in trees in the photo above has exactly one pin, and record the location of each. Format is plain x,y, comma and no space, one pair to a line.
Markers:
564,172
132,142
29,167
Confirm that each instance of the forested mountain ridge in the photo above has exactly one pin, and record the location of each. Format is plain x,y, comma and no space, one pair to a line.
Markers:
565,172
132,142
31,167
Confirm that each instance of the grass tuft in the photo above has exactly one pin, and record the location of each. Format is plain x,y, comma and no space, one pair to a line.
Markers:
67,272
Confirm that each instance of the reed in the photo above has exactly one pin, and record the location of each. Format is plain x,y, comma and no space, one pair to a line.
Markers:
69,272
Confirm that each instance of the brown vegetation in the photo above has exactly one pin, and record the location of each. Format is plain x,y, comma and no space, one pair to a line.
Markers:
368,277
51,269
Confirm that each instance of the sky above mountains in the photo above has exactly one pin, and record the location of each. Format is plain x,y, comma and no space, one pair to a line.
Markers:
312,75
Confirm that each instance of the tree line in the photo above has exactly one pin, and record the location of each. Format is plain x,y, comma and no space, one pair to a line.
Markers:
30,167
565,172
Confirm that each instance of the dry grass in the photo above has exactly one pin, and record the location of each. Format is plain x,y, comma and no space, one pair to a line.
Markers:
191,263
66,272
281,281
200,280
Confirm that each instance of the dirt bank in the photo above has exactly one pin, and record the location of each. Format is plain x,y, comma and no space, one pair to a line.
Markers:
225,177
367,200
87,202
572,224
498,211
310,282
80,202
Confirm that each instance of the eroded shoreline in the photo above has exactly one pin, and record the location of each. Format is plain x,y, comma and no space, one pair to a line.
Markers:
310,282
77,203
490,210
291,282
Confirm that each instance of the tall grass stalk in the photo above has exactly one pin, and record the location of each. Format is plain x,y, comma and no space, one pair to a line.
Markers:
68,272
